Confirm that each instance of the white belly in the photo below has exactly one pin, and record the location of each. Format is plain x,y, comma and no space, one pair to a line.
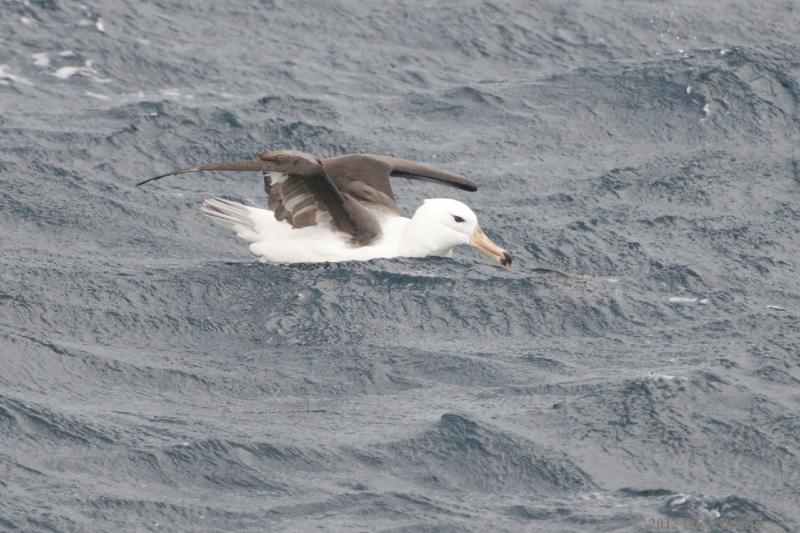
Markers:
277,242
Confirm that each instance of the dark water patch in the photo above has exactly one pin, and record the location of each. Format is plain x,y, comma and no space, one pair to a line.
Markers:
275,299
226,465
678,277
20,519
105,366
546,364
460,454
288,106
645,493
475,370
700,96
381,509
154,515
39,425
644,406
656,410
431,527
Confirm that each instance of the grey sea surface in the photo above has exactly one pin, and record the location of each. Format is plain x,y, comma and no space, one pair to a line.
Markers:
636,369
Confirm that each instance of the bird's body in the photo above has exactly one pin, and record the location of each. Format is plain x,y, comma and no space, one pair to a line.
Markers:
276,241
343,209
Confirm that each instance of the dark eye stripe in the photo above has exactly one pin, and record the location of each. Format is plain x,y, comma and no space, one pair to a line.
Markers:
458,218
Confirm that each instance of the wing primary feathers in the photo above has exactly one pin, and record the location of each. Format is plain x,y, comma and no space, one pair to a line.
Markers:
454,181
236,166
405,168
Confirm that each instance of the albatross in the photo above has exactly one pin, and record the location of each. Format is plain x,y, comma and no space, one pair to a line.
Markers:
343,209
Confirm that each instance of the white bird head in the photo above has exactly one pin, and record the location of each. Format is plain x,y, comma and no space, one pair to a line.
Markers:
441,224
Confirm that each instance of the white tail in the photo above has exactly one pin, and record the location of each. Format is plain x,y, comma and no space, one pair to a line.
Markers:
229,212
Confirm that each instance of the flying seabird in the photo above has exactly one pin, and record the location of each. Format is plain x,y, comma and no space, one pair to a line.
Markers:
343,209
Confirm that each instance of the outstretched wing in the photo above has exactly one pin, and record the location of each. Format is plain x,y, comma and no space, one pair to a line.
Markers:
366,177
300,193
344,191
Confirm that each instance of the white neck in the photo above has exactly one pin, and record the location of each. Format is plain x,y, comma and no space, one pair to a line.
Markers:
419,241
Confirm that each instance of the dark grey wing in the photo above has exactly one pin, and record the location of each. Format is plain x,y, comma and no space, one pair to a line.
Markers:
366,177
300,192
403,168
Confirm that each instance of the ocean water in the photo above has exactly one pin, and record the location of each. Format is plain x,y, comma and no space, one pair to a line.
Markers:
636,369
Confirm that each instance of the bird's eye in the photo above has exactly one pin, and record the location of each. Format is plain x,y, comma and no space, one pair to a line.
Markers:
458,218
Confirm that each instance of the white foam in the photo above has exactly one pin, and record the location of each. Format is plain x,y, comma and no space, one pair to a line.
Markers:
26,20
100,26
707,109
682,300
679,499
66,53
776,308
652,376
97,95
41,59
87,70
65,73
688,89
6,77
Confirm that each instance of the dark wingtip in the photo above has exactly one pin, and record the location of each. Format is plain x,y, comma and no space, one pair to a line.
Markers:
235,166
173,173
506,260
452,180
148,180
463,184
